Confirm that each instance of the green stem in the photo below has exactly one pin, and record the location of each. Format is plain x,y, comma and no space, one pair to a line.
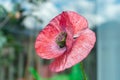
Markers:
83,71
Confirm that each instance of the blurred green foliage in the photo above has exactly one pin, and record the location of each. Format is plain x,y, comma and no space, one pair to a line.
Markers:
3,39
55,77
77,73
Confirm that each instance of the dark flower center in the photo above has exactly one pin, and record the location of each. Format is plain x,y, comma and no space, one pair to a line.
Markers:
61,39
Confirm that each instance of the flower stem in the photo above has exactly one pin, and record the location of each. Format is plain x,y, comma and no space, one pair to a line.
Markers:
83,71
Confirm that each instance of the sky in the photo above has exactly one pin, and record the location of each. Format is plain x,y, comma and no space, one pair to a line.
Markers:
96,12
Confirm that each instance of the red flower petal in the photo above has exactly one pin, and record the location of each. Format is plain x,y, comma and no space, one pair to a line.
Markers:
81,48
45,44
77,21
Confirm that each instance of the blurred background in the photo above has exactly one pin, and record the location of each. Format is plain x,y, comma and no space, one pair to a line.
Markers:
21,21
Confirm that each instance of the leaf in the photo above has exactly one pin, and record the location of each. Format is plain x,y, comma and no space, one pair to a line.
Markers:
34,73
78,73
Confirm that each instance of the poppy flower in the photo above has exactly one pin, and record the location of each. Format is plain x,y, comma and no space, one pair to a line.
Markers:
66,39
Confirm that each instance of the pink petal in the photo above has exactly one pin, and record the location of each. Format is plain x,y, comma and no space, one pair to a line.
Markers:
46,46
81,48
77,21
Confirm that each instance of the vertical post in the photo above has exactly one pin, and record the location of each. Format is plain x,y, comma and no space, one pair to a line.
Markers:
20,65
11,72
108,51
30,58
2,73
11,67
